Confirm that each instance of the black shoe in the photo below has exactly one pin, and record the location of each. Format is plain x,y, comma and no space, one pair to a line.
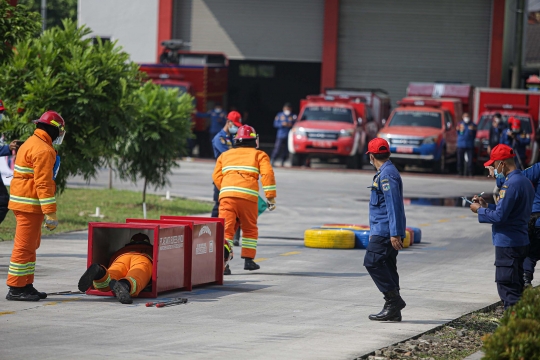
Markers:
528,277
392,308
227,270
32,290
20,294
250,265
121,291
94,272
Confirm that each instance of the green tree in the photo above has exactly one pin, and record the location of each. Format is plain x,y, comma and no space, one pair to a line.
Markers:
57,10
158,135
91,86
16,24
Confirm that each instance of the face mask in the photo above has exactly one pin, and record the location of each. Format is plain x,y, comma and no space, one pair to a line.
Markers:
233,129
466,120
287,112
371,161
497,173
1,116
218,110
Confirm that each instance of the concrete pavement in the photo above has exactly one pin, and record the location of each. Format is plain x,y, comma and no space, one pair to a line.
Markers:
302,304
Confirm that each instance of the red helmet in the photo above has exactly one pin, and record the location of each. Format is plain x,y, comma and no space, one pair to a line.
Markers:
2,108
54,119
515,123
245,132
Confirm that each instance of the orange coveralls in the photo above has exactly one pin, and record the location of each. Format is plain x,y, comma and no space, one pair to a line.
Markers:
32,194
236,175
133,263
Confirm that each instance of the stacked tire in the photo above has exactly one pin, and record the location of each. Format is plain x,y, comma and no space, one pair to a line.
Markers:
350,236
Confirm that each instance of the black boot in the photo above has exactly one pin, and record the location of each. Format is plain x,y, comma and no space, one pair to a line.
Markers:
392,307
32,290
227,270
20,294
528,277
94,272
250,265
121,290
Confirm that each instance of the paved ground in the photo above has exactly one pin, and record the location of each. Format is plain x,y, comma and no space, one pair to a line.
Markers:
302,304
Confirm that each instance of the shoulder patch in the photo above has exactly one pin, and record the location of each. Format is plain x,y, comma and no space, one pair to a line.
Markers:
501,194
385,180
386,186
505,187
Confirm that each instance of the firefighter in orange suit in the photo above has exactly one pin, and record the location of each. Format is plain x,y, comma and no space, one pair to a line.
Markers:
32,200
129,273
236,175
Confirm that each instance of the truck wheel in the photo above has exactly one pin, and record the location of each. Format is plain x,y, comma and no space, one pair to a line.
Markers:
354,162
439,166
298,160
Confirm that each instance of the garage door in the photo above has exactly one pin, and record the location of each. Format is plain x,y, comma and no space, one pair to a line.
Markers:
388,43
252,29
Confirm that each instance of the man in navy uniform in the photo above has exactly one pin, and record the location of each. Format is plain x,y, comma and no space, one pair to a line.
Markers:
510,218
518,140
387,230
465,145
283,121
217,121
533,174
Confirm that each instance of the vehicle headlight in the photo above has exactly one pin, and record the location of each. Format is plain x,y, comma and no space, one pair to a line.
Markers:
346,132
299,131
383,136
430,140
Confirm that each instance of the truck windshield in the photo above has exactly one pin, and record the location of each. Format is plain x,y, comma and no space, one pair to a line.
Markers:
181,89
486,120
328,113
417,118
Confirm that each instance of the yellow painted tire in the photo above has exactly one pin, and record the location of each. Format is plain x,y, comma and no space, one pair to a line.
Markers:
329,239
407,240
345,226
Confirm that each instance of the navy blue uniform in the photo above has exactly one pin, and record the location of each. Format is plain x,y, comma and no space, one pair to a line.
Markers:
386,219
221,143
217,122
283,123
4,194
466,135
533,174
510,236
519,143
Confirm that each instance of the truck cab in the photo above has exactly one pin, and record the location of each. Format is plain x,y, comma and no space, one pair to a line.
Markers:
329,128
422,131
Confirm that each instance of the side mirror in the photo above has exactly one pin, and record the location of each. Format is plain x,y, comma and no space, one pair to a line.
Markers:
448,125
383,121
360,121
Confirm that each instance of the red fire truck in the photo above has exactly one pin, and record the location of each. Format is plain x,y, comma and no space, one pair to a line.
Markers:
204,75
522,104
329,127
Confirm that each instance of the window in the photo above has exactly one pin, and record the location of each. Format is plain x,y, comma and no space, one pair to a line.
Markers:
417,118
328,113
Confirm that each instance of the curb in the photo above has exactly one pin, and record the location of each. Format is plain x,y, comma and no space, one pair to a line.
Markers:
483,310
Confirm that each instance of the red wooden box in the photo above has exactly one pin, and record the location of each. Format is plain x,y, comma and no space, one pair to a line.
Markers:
168,273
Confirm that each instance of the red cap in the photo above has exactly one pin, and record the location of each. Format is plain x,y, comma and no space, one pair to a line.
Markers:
515,124
378,146
2,106
235,117
500,152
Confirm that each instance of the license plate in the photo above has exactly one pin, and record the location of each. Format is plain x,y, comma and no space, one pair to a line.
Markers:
322,144
404,150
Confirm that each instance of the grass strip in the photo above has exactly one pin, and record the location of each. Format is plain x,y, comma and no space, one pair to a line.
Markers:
76,205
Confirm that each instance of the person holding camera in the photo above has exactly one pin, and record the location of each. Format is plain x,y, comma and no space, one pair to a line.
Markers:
518,140
510,222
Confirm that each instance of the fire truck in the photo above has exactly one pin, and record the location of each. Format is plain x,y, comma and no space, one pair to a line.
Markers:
337,125
521,104
204,75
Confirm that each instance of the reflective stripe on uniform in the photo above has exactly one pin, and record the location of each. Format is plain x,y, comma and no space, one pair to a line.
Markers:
269,187
239,189
23,170
249,243
16,269
102,284
133,285
24,200
47,201
240,168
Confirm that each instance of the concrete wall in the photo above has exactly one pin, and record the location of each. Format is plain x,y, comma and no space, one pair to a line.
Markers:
133,23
